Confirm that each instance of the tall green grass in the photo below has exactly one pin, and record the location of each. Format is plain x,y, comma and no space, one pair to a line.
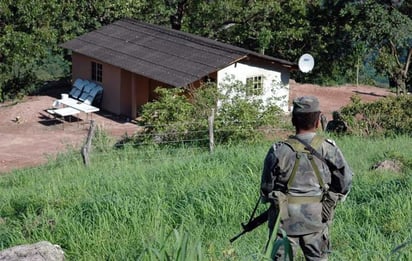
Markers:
186,203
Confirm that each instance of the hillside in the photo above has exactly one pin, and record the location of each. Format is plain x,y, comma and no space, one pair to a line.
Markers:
29,139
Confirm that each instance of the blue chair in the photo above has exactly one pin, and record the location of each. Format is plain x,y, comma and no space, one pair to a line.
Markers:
87,89
77,88
94,96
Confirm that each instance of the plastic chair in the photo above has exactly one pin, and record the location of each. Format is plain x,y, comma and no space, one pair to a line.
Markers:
87,89
77,88
94,95
56,104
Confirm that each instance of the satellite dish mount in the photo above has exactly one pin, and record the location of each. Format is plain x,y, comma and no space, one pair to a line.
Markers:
306,63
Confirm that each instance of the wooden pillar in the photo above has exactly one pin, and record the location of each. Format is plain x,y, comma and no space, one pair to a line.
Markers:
211,121
88,144
133,97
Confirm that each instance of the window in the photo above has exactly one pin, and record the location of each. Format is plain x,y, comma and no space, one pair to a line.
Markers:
97,72
254,86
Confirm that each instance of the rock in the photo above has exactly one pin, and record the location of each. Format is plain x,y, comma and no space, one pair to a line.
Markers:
389,165
41,251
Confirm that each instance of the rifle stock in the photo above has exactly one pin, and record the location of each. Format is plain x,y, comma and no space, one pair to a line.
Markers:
252,224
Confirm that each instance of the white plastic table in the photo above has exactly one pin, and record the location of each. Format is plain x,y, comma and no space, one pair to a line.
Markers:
63,112
80,106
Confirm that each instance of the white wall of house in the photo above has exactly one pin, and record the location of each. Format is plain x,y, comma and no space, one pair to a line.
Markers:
275,82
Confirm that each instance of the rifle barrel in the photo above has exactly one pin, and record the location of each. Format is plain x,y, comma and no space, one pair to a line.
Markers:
254,223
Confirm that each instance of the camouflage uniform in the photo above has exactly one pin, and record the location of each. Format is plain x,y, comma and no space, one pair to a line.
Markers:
304,225
337,124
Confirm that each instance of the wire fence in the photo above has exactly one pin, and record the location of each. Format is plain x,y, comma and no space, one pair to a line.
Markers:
148,145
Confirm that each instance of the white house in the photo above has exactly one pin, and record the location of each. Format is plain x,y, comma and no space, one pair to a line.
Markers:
129,59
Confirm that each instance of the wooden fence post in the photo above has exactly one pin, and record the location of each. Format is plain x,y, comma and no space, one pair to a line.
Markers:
87,145
211,135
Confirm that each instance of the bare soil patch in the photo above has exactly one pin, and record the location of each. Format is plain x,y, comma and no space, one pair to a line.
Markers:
28,137
333,98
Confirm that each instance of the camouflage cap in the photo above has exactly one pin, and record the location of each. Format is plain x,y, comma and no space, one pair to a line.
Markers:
306,104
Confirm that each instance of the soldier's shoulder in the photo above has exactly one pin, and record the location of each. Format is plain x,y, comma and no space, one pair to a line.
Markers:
281,145
330,141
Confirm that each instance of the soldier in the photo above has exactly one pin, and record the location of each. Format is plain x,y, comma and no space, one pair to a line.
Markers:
337,124
304,177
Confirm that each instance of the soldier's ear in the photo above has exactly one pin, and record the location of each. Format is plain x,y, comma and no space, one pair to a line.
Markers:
317,122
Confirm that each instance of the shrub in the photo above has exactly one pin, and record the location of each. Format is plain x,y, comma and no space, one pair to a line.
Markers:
242,117
387,116
182,115
175,116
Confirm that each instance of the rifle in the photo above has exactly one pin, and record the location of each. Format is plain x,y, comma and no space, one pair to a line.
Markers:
253,222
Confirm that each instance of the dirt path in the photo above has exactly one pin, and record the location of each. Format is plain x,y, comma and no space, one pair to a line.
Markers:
28,138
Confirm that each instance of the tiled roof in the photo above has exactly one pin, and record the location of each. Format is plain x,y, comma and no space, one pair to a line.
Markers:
166,55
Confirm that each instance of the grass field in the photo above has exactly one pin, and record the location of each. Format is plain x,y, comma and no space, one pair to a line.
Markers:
186,203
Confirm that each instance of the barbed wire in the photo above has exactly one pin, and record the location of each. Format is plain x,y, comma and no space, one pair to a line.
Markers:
199,137
203,123
220,129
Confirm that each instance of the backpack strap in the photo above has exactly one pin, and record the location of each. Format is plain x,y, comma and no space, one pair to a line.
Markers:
301,149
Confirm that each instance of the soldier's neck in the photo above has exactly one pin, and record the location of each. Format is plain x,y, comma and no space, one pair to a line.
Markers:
312,130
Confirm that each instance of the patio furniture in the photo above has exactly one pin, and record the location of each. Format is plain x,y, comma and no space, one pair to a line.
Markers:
62,113
94,96
77,88
90,92
80,106
56,104
81,98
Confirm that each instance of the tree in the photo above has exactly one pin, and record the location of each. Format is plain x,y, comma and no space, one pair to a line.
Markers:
24,43
31,30
386,28
276,28
330,42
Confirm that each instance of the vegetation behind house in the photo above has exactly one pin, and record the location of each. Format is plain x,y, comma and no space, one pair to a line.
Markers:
347,38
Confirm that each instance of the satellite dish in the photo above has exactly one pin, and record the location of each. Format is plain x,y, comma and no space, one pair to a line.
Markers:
306,63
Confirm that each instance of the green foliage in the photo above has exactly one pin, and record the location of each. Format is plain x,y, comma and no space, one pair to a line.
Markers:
30,32
342,35
27,37
373,25
277,28
52,68
183,248
176,117
182,115
241,117
387,116
393,154
102,142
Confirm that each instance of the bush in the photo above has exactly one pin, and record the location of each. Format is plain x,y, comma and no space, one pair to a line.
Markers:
388,116
175,116
182,115
242,117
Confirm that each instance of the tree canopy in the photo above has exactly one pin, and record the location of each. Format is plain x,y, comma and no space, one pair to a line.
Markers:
346,37
385,29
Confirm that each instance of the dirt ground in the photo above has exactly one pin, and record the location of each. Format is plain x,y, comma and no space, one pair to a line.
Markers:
29,138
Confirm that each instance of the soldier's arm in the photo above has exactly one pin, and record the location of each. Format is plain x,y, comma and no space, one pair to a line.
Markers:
268,174
342,173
